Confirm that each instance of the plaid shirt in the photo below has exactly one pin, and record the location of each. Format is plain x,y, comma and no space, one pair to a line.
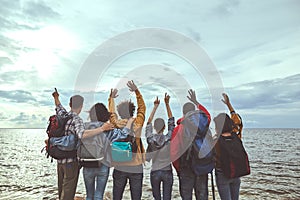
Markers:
73,126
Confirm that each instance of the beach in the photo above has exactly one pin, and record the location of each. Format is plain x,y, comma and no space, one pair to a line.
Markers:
26,173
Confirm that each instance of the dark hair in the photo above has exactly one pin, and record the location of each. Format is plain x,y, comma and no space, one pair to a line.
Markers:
223,123
159,125
99,112
76,101
187,107
126,109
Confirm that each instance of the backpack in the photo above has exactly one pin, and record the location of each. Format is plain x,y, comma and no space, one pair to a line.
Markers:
234,158
199,156
59,145
90,150
122,150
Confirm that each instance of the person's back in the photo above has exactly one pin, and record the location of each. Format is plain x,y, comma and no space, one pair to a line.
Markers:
95,173
131,170
68,168
159,152
188,179
228,188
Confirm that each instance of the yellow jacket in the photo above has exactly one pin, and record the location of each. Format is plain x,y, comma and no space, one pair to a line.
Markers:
139,157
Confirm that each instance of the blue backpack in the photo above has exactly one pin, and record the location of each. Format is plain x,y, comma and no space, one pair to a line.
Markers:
200,154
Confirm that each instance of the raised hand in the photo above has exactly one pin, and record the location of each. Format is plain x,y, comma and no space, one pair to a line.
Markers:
132,86
167,98
55,93
113,93
225,99
156,102
192,96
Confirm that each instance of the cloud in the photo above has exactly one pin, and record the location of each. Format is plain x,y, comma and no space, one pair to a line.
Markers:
226,7
38,10
19,96
23,120
267,94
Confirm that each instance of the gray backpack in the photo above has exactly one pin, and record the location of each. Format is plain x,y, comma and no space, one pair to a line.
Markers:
90,152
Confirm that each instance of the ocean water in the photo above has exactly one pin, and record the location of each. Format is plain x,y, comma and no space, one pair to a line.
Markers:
25,172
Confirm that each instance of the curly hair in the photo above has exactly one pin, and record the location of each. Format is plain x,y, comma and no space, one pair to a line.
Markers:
99,112
126,109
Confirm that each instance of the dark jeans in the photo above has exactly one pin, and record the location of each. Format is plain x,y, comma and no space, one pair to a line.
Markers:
120,180
188,182
67,180
166,178
228,188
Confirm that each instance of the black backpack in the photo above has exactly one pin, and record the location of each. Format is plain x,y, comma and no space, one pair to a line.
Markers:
60,146
234,158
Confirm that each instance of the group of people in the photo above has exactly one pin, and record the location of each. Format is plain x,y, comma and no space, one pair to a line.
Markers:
117,122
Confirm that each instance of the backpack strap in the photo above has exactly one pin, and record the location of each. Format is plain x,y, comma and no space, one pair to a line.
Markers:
212,185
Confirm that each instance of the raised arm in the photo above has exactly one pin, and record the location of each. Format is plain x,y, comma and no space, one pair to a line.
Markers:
167,101
192,97
140,117
238,125
111,106
226,101
56,97
156,104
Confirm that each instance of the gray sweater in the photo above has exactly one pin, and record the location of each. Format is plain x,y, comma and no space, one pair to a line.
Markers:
99,145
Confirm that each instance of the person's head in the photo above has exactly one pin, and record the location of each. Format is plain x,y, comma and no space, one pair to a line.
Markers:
187,107
99,112
76,103
159,125
126,109
223,123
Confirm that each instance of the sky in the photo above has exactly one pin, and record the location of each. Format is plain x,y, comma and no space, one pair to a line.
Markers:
248,49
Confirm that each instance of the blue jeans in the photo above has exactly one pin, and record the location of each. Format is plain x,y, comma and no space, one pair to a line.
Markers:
158,177
120,181
228,188
95,175
190,181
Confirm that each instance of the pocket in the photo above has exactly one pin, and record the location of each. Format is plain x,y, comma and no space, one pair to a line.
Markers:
121,151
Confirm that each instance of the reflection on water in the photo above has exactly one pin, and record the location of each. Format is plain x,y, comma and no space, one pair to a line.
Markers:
25,173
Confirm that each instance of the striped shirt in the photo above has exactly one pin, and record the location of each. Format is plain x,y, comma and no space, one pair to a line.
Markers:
74,126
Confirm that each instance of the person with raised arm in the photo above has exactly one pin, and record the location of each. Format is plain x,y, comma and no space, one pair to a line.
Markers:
131,170
159,152
226,126
68,168
182,158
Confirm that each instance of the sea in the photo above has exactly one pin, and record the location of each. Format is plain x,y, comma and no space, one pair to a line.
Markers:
274,154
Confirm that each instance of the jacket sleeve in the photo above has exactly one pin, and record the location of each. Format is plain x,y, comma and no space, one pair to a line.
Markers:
117,134
60,110
149,133
140,118
171,126
238,124
114,117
